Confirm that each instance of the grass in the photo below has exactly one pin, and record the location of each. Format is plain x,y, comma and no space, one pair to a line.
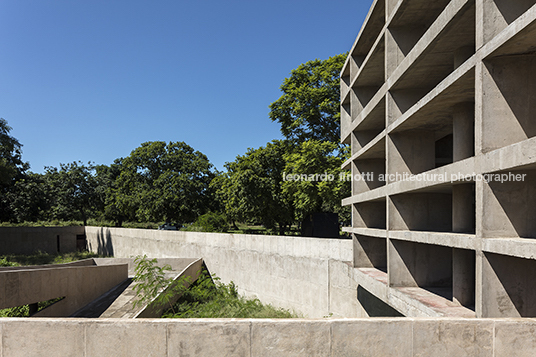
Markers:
41,258
209,298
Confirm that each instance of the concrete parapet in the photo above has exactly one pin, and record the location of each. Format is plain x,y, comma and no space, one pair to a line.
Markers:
79,285
264,337
28,240
286,271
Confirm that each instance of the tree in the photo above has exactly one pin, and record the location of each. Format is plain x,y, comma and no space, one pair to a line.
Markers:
309,107
309,114
11,164
312,178
30,198
107,192
251,189
160,181
74,190
11,168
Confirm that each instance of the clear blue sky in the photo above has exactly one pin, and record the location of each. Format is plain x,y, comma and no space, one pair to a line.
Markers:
92,80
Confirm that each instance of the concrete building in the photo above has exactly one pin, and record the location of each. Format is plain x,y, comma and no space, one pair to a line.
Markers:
437,102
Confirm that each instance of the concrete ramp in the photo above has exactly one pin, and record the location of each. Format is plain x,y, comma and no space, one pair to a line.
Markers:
118,301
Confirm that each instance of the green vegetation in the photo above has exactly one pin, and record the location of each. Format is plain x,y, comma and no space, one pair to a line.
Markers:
24,310
205,298
209,222
171,182
41,258
151,281
208,298
309,107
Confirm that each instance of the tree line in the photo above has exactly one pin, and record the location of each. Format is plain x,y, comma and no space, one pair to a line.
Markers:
172,182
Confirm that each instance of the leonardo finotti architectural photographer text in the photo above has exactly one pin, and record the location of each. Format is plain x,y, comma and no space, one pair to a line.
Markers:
424,177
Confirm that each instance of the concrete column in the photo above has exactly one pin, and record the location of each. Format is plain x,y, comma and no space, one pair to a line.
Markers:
463,131
463,277
389,7
463,214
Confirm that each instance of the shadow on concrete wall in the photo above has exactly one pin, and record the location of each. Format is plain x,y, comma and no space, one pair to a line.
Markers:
105,246
513,284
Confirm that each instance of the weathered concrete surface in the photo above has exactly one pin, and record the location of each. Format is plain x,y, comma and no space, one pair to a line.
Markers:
289,272
78,284
261,337
28,240
184,273
456,102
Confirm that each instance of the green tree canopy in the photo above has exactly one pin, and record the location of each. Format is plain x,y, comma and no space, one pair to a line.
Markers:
74,190
11,164
309,107
160,181
312,178
12,168
251,188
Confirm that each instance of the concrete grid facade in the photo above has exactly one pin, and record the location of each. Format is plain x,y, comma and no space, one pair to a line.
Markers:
437,96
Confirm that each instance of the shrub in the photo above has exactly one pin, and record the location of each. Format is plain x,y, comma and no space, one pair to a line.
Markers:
210,222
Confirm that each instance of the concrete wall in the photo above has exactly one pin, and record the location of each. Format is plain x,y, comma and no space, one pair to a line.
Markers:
27,240
261,337
78,284
309,275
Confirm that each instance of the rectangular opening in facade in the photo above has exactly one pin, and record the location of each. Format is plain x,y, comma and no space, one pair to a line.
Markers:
463,277
443,150
508,111
346,111
453,46
421,265
509,211
370,252
410,152
426,211
371,31
367,174
411,21
369,127
463,208
498,14
369,214
508,286
370,80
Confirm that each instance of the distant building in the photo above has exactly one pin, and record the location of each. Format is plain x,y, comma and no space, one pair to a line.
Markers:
438,101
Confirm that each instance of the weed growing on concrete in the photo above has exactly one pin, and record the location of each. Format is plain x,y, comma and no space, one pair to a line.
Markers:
209,298
152,286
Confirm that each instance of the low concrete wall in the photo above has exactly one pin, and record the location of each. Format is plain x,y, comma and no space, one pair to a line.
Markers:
309,275
27,240
250,337
78,284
